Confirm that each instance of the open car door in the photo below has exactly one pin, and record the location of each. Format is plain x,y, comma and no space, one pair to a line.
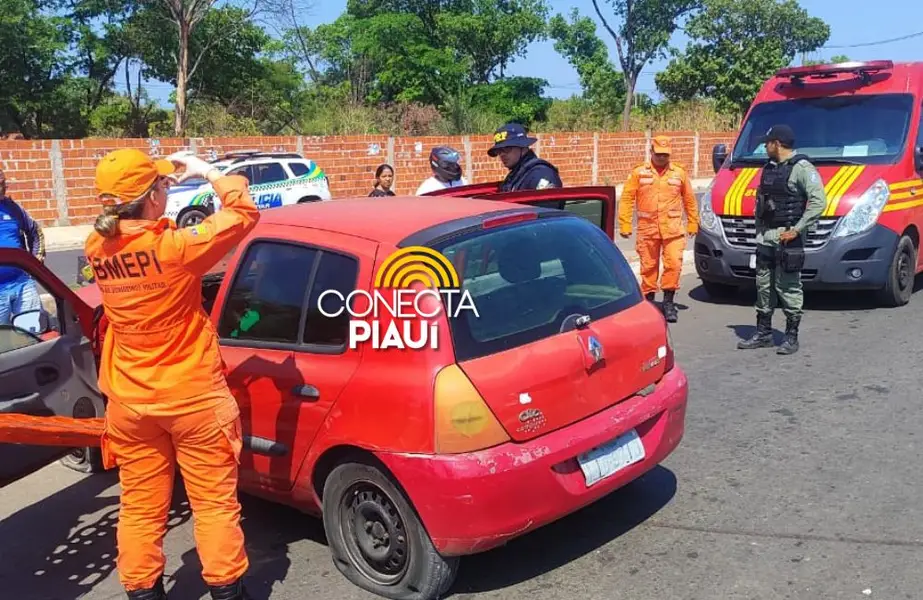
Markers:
467,190
49,400
594,203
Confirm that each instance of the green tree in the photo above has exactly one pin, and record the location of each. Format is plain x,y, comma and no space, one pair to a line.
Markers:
416,50
643,35
735,46
576,40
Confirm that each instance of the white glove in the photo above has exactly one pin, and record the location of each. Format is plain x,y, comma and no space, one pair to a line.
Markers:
192,165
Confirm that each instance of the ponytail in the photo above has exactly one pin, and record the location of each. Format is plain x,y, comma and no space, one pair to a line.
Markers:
107,224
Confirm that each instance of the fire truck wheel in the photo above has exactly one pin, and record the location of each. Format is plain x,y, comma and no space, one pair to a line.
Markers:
901,274
85,460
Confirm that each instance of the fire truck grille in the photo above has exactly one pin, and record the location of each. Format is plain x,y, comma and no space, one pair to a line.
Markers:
741,232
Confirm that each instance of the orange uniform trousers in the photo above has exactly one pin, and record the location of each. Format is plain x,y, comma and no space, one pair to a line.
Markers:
147,440
661,198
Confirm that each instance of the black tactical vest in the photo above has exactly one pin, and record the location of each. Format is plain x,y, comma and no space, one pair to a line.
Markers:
776,205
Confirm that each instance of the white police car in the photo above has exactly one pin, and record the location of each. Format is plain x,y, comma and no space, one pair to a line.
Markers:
276,179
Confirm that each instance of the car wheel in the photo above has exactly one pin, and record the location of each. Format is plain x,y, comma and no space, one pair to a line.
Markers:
192,216
901,275
719,291
376,539
309,199
90,459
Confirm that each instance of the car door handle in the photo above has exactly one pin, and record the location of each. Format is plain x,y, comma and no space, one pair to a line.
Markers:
309,392
46,375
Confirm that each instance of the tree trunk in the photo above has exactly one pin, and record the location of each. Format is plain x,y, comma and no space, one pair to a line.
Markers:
630,82
182,72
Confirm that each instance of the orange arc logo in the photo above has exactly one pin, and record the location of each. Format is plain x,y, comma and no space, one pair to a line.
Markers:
417,264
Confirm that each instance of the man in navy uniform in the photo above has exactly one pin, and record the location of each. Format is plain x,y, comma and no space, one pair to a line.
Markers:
527,170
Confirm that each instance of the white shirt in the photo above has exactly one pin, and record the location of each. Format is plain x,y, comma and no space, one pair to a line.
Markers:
432,184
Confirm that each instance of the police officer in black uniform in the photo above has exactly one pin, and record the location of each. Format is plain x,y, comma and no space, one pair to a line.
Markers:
527,171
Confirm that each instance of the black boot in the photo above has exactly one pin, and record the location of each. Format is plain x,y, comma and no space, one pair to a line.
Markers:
790,343
649,296
155,593
232,591
762,338
669,309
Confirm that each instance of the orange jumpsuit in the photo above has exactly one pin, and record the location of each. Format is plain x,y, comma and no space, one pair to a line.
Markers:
163,375
660,198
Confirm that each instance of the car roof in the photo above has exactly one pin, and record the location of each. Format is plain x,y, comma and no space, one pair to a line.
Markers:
385,220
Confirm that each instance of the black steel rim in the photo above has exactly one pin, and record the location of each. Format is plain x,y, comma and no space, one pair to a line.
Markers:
374,532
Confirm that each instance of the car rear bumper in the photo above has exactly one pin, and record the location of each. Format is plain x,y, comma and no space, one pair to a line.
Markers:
853,263
474,502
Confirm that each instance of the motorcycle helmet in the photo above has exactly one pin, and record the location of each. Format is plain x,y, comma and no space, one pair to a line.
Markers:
445,162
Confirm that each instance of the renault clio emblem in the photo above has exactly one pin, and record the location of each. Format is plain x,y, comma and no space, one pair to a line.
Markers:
595,348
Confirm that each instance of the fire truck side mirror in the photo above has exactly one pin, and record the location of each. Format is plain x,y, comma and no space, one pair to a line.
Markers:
719,154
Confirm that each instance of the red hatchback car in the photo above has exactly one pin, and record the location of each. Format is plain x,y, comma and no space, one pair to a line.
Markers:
560,390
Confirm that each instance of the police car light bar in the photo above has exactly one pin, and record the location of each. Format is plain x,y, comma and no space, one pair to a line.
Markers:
861,68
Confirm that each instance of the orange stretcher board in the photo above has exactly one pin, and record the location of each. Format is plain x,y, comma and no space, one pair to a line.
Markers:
51,431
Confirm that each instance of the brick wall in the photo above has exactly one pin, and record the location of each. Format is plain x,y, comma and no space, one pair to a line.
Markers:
53,179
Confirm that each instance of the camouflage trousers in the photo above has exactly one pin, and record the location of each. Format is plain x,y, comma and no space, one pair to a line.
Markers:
774,287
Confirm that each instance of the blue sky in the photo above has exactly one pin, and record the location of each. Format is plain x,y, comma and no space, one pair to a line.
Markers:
851,22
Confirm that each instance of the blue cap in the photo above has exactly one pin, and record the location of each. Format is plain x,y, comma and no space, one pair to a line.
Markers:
511,135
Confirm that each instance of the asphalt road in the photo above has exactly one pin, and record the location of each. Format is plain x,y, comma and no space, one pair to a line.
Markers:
799,478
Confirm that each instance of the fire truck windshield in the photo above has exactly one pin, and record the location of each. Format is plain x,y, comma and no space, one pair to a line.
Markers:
863,129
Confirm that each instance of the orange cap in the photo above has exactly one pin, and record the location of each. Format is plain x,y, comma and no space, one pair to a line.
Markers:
661,145
125,175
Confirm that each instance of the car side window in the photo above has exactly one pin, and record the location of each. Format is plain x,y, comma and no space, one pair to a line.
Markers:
298,169
268,173
28,313
265,301
245,171
335,272
591,209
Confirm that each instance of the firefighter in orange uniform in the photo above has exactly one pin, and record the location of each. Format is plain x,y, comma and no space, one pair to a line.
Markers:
661,190
160,367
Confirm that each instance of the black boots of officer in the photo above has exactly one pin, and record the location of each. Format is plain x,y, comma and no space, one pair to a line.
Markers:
233,591
669,307
155,593
790,343
762,338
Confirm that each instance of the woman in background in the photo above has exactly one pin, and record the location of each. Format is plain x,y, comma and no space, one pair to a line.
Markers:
384,179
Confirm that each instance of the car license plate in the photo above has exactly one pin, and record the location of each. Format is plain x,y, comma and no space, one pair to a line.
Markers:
609,459
753,261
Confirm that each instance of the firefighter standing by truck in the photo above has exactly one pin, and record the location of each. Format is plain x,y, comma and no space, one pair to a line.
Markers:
789,200
160,368
662,190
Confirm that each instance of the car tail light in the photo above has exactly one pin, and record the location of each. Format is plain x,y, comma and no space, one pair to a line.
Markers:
463,421
507,219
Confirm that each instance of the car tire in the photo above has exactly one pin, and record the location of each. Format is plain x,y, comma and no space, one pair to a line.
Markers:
190,217
390,554
89,459
307,199
901,275
719,291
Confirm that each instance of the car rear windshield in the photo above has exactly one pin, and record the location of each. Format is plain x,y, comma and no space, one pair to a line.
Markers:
866,129
525,280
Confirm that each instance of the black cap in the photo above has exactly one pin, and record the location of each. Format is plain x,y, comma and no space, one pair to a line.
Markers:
511,135
779,133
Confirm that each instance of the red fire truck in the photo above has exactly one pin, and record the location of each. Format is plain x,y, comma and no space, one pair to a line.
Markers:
861,125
